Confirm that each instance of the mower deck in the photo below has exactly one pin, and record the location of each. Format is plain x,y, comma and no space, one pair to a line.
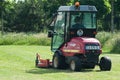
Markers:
42,63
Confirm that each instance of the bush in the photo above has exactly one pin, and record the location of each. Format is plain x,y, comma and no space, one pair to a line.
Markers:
103,37
110,42
24,39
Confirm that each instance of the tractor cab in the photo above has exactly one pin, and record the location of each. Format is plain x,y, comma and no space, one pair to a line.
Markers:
72,21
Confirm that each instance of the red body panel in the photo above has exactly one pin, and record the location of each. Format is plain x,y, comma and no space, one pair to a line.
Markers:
77,45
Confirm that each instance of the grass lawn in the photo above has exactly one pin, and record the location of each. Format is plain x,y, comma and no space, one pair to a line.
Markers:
17,63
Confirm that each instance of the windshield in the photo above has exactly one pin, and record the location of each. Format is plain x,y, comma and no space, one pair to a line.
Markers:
84,20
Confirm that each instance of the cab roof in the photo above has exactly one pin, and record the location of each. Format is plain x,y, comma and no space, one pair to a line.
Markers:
80,8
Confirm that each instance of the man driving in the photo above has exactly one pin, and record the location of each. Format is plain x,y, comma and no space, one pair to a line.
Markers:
78,23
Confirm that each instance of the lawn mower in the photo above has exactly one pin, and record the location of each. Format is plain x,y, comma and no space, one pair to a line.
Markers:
73,40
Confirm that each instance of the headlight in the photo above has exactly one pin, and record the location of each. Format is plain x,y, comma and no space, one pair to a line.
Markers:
92,47
80,32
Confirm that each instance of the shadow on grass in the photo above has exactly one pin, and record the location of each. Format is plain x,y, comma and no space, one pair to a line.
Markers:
90,70
109,52
45,71
51,70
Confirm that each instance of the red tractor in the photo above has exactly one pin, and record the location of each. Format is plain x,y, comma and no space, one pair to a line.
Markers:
73,40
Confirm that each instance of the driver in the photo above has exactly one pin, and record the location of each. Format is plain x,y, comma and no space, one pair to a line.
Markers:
77,23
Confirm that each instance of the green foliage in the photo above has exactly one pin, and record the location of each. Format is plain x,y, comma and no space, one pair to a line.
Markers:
103,6
24,39
35,15
103,37
110,42
116,45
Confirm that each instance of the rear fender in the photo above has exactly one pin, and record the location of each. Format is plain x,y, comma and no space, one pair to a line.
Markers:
72,48
59,52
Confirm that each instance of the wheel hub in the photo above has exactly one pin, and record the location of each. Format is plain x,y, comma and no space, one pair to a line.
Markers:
55,62
72,65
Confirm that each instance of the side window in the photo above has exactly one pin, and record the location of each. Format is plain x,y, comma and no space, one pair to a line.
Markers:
60,23
89,20
94,20
73,18
58,37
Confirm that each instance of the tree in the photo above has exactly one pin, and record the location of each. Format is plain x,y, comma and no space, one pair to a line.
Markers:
34,15
117,14
5,7
1,14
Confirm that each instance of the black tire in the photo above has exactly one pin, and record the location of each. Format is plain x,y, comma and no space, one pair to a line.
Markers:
59,61
105,64
75,64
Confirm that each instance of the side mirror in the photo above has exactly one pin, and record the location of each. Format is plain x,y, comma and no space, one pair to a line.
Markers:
51,25
50,33
54,15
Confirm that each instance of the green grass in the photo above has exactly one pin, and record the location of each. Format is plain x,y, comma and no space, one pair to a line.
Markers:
17,63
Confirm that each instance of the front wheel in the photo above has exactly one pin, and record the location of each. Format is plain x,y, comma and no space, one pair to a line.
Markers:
59,62
75,64
105,64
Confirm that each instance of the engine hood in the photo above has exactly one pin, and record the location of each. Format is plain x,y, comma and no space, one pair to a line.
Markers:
79,45
85,40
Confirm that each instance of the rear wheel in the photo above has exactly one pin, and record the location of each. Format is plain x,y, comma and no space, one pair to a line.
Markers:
55,62
59,62
75,64
105,64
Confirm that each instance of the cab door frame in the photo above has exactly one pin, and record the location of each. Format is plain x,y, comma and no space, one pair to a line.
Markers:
58,37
